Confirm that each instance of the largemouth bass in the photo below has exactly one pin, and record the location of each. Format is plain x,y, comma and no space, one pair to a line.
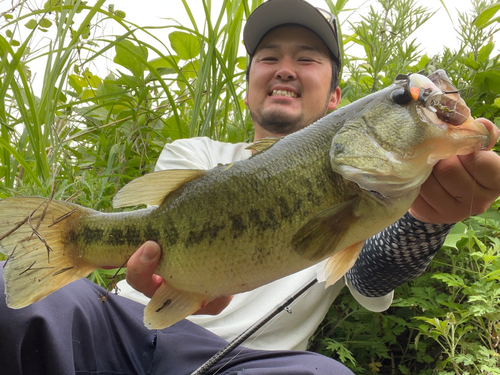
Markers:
316,194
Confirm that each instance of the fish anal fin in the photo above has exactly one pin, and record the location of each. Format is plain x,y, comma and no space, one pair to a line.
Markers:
39,261
169,305
321,235
338,264
152,188
263,144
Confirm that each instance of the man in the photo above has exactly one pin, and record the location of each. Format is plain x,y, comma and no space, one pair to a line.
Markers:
290,86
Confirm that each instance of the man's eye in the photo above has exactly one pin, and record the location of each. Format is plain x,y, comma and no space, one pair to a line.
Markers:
269,58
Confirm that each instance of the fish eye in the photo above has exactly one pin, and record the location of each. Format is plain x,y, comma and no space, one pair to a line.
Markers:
401,96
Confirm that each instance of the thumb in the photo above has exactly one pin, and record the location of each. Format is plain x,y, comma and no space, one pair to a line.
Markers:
141,267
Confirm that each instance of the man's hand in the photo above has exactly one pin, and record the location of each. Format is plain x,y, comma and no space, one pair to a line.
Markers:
140,275
141,267
460,186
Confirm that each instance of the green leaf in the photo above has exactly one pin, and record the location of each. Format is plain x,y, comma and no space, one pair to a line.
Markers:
343,353
424,60
485,51
77,82
162,62
31,24
44,22
241,63
173,130
88,94
403,370
161,71
120,14
127,80
187,46
131,56
92,80
471,63
450,279
51,3
486,15
190,70
458,232
488,81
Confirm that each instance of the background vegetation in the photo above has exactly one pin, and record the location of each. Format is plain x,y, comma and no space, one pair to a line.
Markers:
86,132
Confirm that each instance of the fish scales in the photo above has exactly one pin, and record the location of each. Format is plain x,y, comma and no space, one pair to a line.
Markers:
315,194
257,222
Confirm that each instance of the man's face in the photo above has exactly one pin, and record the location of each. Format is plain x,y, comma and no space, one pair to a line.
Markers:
289,81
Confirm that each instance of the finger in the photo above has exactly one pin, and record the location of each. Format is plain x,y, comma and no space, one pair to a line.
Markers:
492,129
215,307
484,167
458,187
141,267
428,206
456,182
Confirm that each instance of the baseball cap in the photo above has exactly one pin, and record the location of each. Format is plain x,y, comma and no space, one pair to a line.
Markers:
274,13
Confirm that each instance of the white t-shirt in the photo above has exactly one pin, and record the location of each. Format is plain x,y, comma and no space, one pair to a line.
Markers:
289,330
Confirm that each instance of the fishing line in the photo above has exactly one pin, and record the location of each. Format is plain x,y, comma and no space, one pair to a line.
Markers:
253,328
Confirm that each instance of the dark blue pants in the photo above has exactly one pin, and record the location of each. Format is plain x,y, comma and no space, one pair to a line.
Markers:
73,332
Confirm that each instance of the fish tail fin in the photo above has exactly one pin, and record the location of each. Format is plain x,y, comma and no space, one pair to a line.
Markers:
39,260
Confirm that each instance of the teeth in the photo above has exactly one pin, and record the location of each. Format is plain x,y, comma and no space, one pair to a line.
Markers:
284,93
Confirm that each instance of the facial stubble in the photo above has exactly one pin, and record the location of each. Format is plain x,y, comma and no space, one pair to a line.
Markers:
280,123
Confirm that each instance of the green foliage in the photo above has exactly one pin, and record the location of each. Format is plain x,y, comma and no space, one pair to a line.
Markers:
86,132
445,322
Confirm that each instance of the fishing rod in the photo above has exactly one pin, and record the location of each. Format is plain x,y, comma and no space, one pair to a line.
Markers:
254,328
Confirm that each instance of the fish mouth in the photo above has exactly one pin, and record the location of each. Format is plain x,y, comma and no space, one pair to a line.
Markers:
448,109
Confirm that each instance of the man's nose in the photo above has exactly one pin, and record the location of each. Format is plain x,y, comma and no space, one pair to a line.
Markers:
286,71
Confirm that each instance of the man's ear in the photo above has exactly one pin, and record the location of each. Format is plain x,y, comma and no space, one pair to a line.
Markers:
334,99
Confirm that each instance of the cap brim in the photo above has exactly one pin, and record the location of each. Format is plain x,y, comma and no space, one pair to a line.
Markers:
274,13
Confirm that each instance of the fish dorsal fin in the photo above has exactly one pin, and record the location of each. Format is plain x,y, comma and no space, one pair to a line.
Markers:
338,264
321,235
263,144
170,305
154,187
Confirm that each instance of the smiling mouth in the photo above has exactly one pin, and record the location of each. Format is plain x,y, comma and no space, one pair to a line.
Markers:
286,93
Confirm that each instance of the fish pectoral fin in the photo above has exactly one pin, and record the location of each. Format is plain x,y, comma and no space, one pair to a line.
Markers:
338,264
169,305
263,144
152,188
321,235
